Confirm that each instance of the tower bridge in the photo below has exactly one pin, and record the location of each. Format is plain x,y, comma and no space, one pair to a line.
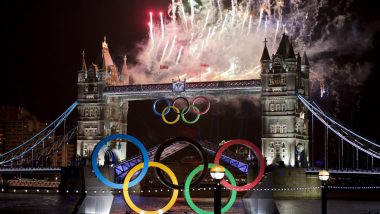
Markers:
103,102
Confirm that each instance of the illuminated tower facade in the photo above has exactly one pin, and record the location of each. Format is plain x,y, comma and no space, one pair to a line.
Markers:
100,116
285,137
91,107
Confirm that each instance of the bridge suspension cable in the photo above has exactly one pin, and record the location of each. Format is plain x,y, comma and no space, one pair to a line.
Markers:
28,146
359,142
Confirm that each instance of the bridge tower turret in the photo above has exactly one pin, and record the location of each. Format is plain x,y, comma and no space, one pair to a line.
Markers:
91,83
284,127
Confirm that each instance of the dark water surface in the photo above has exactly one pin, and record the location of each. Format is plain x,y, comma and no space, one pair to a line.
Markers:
65,203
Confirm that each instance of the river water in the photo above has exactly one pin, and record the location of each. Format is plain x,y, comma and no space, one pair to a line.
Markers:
65,203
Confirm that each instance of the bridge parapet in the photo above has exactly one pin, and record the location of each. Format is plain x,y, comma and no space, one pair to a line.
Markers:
167,89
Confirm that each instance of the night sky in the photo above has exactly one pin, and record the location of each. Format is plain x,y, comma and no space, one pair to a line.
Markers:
42,43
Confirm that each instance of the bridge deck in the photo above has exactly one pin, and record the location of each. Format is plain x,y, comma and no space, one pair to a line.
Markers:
138,92
29,170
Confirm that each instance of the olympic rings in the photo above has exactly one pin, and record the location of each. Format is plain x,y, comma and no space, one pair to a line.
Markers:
187,110
164,118
131,139
187,103
167,144
126,185
155,103
174,182
259,157
208,104
187,192
184,111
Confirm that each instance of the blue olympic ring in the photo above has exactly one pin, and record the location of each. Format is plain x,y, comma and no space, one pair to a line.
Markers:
155,103
131,139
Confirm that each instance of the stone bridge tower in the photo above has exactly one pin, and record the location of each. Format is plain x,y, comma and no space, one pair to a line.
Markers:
91,83
285,137
100,116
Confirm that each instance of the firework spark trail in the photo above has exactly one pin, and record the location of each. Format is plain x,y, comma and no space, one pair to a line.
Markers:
172,46
260,18
275,34
179,54
218,35
151,28
219,8
184,16
191,2
164,51
266,26
162,27
244,20
173,11
249,25
205,25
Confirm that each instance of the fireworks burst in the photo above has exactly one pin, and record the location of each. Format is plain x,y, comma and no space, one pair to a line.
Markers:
210,40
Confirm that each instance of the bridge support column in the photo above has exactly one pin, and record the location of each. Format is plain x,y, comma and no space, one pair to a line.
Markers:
98,198
256,202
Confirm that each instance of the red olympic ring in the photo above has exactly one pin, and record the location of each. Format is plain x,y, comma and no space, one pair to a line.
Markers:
208,104
259,157
189,107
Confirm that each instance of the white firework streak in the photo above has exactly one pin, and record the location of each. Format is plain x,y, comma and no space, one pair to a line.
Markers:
220,36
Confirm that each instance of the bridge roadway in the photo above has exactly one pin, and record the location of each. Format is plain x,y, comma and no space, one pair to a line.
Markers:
29,170
153,91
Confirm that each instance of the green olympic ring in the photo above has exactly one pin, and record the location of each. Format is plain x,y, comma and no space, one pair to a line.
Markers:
181,113
190,202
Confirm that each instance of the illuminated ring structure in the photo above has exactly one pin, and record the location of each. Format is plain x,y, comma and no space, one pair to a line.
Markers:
208,105
126,184
131,139
158,100
164,118
170,142
259,157
187,103
181,113
187,110
190,202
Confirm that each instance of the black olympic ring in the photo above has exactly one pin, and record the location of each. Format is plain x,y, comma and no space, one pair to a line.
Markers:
181,113
170,142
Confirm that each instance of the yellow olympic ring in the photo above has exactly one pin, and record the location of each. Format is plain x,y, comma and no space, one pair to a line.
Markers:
170,122
133,171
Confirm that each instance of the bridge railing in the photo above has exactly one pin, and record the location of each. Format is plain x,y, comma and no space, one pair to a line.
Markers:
188,85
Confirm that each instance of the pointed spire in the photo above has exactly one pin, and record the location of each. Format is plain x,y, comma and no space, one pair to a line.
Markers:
84,66
125,59
304,60
291,54
124,72
284,46
265,55
104,43
106,56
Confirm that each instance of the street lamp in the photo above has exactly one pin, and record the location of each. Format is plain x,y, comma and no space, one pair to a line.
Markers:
324,175
217,173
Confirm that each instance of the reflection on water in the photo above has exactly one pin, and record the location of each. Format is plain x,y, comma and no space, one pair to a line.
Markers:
37,203
154,203
65,203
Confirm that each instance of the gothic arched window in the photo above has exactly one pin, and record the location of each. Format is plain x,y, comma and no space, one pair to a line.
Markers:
278,107
283,107
271,106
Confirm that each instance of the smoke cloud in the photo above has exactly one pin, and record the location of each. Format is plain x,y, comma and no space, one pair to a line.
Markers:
223,40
